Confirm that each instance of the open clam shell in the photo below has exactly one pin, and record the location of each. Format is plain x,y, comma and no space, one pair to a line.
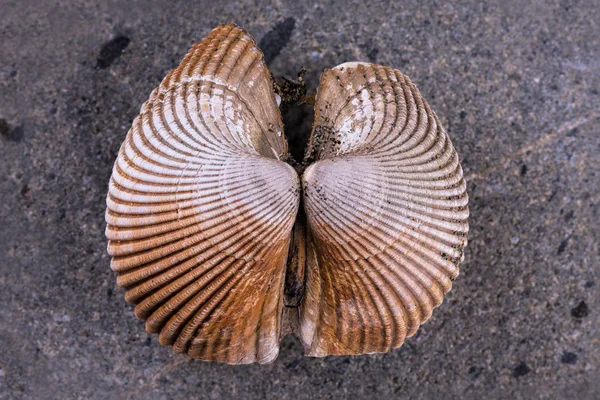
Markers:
203,216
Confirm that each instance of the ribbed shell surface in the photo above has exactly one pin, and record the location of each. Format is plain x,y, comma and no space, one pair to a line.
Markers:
387,212
200,207
202,204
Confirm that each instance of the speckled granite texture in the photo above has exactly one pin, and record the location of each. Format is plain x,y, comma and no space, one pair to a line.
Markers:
517,85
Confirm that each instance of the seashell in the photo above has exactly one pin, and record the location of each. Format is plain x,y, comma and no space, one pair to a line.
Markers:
387,213
201,205
206,230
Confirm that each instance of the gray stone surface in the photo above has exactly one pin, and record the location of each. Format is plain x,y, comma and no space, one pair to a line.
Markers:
516,84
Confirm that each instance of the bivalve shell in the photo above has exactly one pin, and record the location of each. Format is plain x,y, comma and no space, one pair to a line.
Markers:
223,247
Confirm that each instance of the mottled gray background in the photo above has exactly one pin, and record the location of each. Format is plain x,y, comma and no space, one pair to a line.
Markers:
517,86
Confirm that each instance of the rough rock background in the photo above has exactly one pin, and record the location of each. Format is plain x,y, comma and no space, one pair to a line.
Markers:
517,85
